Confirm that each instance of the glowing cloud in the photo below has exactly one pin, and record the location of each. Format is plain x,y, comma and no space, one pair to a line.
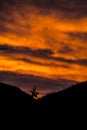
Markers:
45,39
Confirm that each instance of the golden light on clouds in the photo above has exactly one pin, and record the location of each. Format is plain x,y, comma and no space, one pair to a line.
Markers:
48,45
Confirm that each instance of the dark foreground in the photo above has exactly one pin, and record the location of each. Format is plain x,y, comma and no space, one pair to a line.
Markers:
67,106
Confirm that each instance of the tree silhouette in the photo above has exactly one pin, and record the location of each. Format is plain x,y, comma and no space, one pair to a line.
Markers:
34,93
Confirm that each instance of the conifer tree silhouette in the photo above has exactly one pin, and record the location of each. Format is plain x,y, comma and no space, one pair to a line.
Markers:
34,93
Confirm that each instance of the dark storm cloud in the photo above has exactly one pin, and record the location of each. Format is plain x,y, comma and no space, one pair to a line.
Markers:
75,35
27,81
22,18
82,62
10,24
44,53
4,28
27,60
8,50
76,7
65,49
40,53
65,5
69,7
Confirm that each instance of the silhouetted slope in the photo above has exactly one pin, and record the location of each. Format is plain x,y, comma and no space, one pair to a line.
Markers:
67,106
78,90
16,106
13,95
71,99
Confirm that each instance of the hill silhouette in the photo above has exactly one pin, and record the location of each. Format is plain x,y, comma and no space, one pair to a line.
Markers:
61,106
72,97
67,107
13,95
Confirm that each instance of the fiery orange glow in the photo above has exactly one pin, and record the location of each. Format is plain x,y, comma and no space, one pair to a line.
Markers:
54,47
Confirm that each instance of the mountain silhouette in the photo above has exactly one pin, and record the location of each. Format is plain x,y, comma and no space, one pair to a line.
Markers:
61,106
68,106
75,95
76,91
13,95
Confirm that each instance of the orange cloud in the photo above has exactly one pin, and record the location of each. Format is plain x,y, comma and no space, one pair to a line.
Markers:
44,32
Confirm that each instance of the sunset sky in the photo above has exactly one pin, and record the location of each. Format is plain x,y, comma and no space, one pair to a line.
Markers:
43,42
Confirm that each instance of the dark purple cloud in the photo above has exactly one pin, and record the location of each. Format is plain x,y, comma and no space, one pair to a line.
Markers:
9,24
27,60
65,50
68,7
26,82
40,53
82,62
79,35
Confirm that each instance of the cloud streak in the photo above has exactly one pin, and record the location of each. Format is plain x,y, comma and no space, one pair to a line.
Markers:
44,38
40,53
44,85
